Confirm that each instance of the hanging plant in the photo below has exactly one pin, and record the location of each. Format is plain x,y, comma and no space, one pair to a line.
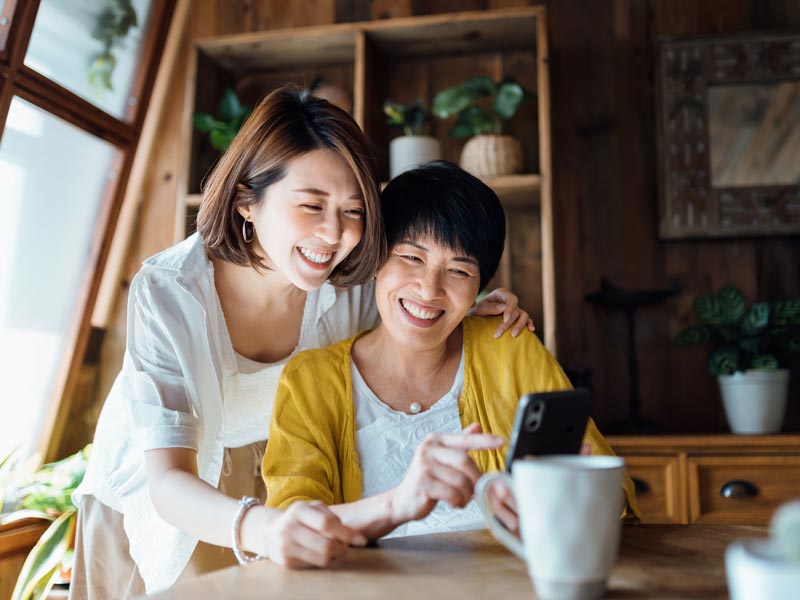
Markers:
112,25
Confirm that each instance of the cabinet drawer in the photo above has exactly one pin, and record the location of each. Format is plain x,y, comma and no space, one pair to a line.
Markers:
742,490
659,492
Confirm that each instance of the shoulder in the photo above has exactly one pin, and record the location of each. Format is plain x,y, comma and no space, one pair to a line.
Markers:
320,361
479,332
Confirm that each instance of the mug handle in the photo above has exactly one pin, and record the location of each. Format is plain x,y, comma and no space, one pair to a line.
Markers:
503,535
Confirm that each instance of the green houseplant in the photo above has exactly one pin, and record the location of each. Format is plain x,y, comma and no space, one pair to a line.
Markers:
47,494
222,129
487,153
750,350
413,147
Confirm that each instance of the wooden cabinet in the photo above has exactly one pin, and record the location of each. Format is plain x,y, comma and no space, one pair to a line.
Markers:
721,479
402,60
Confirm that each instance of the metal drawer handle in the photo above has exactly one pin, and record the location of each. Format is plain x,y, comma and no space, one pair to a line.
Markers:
640,486
738,489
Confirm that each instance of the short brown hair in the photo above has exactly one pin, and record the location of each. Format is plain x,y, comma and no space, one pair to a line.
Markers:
284,125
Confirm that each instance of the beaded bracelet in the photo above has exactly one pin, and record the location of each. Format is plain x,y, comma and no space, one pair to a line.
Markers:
246,503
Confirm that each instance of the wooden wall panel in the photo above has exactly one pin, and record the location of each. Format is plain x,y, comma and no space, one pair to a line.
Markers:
605,200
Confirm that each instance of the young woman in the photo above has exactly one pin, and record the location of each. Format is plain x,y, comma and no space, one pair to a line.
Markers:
289,228
393,439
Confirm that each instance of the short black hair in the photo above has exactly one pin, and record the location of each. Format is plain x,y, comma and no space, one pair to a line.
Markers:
441,200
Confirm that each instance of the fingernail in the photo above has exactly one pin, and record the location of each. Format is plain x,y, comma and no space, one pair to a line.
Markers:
497,334
514,333
360,540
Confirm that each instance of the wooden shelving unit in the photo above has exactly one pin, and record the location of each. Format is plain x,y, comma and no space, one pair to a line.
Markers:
402,59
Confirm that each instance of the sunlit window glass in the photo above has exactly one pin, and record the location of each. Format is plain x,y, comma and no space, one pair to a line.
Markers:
91,48
53,177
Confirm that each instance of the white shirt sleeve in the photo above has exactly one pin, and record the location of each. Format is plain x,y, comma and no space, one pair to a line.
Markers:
162,411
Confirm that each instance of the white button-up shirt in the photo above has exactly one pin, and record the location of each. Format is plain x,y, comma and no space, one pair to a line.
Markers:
169,392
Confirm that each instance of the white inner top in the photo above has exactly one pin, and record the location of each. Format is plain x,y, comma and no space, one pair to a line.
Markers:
387,439
248,389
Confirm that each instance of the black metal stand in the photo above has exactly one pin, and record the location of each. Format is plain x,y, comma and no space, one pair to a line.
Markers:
611,296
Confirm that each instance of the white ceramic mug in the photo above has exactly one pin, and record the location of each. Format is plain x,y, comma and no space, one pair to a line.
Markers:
569,513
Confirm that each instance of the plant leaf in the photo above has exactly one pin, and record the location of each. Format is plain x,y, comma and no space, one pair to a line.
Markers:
507,99
46,555
764,361
708,309
724,361
230,108
793,343
205,122
756,319
479,86
749,345
786,312
451,101
732,304
21,515
692,336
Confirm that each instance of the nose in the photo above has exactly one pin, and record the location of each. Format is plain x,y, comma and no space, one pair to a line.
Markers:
430,283
330,229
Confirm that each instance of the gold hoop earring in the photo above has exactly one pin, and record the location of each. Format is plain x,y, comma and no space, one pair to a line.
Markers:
244,231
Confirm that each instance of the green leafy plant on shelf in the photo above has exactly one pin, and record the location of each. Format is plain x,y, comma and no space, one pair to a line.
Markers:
463,100
411,117
221,130
761,336
113,24
45,493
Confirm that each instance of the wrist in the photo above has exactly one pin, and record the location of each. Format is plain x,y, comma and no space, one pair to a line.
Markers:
254,529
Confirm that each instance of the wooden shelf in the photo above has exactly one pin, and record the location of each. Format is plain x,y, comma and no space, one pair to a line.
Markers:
514,191
403,59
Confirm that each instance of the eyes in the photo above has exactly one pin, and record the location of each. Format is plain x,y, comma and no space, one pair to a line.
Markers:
454,271
356,212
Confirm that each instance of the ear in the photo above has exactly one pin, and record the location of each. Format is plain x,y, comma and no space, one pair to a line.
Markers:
245,212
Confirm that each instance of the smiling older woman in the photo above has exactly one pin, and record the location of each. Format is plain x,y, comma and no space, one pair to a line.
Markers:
383,427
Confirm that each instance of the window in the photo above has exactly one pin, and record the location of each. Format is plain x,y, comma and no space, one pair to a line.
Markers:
74,78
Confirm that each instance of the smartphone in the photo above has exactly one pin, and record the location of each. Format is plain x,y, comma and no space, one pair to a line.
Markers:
549,423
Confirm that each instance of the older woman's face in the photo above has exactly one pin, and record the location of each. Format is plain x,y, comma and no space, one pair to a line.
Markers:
425,290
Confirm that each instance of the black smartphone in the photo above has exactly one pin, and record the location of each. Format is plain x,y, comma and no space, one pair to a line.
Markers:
549,423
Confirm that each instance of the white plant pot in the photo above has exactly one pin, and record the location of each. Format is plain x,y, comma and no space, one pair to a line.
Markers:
755,401
756,571
409,151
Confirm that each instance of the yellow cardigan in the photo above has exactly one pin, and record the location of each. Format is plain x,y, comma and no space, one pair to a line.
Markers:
311,454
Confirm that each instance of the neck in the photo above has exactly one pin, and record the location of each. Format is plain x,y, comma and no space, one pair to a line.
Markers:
408,364
259,290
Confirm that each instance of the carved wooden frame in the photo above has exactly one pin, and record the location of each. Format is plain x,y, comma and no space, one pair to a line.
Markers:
689,205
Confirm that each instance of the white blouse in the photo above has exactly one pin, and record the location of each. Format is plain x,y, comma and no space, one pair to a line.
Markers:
387,439
169,393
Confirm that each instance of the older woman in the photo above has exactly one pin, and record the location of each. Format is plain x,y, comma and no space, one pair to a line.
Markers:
383,426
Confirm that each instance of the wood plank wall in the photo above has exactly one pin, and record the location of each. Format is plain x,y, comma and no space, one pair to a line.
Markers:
605,197
606,215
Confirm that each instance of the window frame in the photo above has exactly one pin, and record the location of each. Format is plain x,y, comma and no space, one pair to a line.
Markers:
17,79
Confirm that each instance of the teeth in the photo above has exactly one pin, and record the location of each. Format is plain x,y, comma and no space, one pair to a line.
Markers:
420,313
316,257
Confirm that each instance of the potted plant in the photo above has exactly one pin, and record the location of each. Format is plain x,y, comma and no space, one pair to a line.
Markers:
487,153
749,355
413,147
46,494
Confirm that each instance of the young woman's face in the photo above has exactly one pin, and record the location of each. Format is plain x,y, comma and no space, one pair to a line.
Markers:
309,221
424,291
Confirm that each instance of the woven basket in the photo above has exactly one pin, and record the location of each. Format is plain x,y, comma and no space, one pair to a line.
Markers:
492,155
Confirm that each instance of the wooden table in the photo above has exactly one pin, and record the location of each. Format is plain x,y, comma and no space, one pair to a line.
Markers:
655,561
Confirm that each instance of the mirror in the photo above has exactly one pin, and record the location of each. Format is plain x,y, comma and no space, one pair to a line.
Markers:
728,125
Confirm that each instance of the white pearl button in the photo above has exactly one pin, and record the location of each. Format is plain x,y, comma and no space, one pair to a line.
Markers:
415,408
